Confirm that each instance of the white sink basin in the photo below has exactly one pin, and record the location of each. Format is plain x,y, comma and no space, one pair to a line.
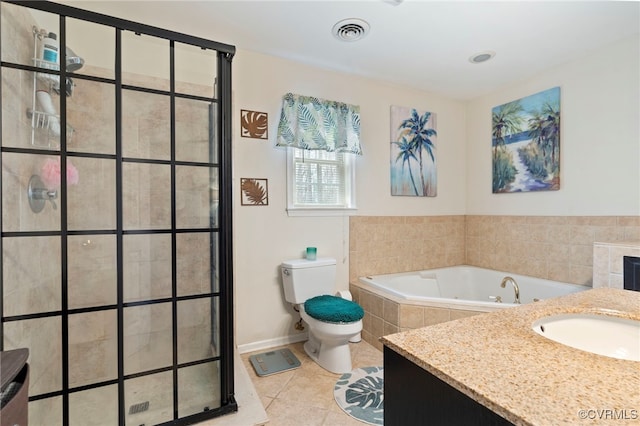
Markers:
599,334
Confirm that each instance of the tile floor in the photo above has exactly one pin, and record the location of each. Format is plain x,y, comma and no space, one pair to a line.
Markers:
304,396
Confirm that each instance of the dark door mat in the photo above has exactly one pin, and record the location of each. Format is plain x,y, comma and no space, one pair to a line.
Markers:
272,362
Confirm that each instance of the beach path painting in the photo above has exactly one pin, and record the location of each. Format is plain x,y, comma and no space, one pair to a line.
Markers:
413,152
526,143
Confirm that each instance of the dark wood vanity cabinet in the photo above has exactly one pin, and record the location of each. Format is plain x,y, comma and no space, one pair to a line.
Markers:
14,387
413,396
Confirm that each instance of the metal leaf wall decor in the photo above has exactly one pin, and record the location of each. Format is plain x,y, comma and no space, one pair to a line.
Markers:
254,124
254,192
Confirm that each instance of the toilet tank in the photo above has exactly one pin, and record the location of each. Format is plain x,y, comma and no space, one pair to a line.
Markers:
303,279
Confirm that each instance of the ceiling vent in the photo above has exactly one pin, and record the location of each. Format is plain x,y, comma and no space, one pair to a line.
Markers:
352,29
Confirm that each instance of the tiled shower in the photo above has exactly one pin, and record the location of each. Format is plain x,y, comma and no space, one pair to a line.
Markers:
116,274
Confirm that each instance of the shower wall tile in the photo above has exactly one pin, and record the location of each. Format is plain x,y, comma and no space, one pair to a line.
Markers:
94,407
196,89
91,112
17,97
192,131
146,121
16,33
17,169
42,336
194,330
31,275
91,270
146,196
91,204
46,412
148,342
147,267
193,196
198,388
93,354
193,263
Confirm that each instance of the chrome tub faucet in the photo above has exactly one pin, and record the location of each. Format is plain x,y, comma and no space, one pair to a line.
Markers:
515,287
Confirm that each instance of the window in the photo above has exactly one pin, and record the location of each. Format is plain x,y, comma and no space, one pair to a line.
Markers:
320,183
322,137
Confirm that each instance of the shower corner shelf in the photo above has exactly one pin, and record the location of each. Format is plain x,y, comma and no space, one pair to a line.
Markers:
45,126
51,81
49,125
48,65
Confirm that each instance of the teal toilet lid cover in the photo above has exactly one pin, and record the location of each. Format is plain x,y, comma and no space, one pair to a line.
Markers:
333,309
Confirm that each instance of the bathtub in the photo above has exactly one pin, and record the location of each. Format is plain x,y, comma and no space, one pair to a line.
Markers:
463,287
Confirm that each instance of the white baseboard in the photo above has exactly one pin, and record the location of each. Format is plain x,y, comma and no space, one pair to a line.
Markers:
272,343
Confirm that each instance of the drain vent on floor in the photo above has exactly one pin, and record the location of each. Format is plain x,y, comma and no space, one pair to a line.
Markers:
139,408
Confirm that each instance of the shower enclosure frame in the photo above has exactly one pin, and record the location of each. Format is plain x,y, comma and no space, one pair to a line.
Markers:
222,227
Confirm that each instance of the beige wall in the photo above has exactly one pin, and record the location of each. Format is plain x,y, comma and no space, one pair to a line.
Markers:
600,139
266,236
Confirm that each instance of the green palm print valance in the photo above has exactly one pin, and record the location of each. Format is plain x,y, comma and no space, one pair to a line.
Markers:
311,123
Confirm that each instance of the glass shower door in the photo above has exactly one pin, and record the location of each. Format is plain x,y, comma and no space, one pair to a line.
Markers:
114,278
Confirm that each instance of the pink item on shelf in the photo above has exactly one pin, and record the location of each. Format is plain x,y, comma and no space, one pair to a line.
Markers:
50,173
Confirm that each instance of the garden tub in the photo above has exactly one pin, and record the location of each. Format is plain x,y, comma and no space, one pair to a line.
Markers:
465,287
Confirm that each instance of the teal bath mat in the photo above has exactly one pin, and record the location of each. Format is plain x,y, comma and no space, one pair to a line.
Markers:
273,362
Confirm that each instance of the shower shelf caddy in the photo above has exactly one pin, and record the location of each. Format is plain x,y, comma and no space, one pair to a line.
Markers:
44,124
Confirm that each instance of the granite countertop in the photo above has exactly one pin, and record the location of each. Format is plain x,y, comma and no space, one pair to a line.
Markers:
498,360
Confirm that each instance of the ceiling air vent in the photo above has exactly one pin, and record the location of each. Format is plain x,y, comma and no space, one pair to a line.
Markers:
350,29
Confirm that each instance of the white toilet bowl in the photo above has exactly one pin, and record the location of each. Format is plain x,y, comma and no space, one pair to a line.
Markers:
332,321
328,343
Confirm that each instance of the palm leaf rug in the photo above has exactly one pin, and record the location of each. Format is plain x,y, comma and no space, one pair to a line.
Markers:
360,394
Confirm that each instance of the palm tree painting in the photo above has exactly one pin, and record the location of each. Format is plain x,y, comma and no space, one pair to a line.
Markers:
413,152
526,143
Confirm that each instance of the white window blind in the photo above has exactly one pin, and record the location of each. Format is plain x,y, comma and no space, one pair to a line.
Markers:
321,180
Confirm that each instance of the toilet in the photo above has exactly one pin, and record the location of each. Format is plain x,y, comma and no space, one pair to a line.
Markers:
332,320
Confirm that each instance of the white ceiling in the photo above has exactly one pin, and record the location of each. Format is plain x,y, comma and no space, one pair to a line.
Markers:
421,44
